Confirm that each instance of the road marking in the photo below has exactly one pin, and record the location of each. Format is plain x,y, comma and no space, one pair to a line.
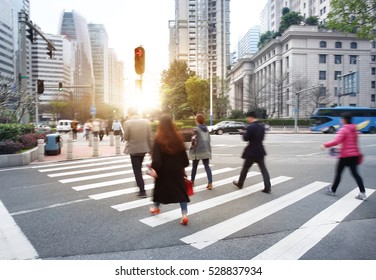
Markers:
139,203
79,161
49,207
163,218
219,231
309,155
61,174
312,232
148,187
13,242
86,165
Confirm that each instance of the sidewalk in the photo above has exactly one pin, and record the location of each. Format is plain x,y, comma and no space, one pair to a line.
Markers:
82,150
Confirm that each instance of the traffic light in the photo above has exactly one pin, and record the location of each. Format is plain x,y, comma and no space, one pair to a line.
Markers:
60,86
30,34
40,86
139,60
49,48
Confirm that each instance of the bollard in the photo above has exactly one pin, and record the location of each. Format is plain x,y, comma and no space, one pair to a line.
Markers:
95,147
91,136
40,150
111,138
69,148
117,144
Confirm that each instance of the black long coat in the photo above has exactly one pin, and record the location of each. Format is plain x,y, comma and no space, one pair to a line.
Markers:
169,185
254,134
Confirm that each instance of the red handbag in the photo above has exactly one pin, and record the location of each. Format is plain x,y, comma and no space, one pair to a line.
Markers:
189,186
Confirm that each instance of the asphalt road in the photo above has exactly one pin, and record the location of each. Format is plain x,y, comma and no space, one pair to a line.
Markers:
88,209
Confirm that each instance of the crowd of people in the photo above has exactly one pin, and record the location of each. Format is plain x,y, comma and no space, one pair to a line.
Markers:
169,156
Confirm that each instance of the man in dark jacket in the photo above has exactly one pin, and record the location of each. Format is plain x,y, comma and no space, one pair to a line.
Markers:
254,152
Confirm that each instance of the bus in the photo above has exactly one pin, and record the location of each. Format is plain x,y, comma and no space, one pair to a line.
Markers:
328,120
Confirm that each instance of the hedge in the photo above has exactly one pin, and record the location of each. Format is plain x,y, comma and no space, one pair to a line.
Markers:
12,131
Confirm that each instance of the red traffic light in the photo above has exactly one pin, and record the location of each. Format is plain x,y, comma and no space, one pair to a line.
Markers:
139,60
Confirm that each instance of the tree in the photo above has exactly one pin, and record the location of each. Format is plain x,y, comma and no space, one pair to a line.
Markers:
221,100
312,20
265,38
173,91
198,94
288,19
352,16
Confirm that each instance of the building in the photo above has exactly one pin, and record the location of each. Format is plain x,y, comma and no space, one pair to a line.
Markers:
116,82
99,51
200,35
74,27
248,44
304,57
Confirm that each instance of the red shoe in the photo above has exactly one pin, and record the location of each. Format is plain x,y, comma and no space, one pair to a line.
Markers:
184,221
154,210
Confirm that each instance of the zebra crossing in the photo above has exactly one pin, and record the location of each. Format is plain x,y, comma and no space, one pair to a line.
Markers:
95,176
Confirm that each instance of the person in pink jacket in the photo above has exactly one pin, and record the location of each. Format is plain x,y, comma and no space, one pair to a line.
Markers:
349,155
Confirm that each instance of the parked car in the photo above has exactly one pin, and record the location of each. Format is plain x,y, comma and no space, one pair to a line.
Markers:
43,128
63,126
231,128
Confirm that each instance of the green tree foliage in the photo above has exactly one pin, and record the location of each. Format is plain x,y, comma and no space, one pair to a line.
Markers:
198,94
221,100
288,19
352,16
173,92
312,20
265,38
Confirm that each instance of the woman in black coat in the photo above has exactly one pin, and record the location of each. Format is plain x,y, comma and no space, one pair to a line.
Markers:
169,162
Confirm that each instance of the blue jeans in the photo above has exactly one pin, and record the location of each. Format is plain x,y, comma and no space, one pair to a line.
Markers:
183,207
207,169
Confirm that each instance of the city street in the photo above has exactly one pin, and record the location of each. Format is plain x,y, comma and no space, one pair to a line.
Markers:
88,209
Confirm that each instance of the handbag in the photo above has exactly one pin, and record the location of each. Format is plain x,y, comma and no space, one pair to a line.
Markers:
189,186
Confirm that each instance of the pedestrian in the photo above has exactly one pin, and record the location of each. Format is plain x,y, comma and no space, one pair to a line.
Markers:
169,162
96,126
74,126
87,128
137,133
117,128
254,152
201,150
349,155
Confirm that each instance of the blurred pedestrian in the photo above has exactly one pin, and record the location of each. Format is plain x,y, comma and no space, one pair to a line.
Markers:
87,128
169,162
201,150
349,155
96,126
254,152
117,128
74,126
137,133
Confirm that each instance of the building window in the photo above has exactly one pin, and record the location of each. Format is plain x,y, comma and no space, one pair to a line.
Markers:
336,74
373,58
287,62
287,47
338,45
373,44
373,97
335,91
353,59
353,45
322,44
322,75
322,58
373,84
322,91
338,59
352,105
373,71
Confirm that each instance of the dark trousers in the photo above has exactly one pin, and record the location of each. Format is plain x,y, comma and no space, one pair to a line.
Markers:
351,162
136,161
207,170
248,164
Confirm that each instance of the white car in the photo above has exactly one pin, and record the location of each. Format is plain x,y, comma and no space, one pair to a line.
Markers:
64,126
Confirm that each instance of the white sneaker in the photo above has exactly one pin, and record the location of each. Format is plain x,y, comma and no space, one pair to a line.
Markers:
361,196
329,191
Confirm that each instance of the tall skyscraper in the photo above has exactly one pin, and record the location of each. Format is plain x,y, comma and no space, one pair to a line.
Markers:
248,44
200,35
116,82
99,51
75,28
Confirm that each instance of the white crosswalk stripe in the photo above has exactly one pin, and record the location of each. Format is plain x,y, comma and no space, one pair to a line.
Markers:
293,246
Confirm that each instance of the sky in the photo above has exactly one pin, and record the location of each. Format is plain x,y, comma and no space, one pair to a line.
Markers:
143,22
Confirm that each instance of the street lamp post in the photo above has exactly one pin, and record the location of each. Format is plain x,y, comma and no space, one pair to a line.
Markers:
211,91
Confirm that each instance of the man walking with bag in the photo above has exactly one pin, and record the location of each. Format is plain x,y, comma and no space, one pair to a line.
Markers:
254,152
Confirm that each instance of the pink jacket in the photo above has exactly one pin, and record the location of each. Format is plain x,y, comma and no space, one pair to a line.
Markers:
348,137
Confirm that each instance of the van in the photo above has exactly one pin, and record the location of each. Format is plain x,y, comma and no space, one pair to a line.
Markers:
63,126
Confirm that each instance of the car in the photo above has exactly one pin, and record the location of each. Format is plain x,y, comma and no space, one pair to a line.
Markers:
231,127
43,128
217,125
63,126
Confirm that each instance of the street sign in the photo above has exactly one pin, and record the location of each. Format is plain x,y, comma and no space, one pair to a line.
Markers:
93,110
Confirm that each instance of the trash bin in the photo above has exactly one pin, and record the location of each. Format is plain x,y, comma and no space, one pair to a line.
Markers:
54,142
